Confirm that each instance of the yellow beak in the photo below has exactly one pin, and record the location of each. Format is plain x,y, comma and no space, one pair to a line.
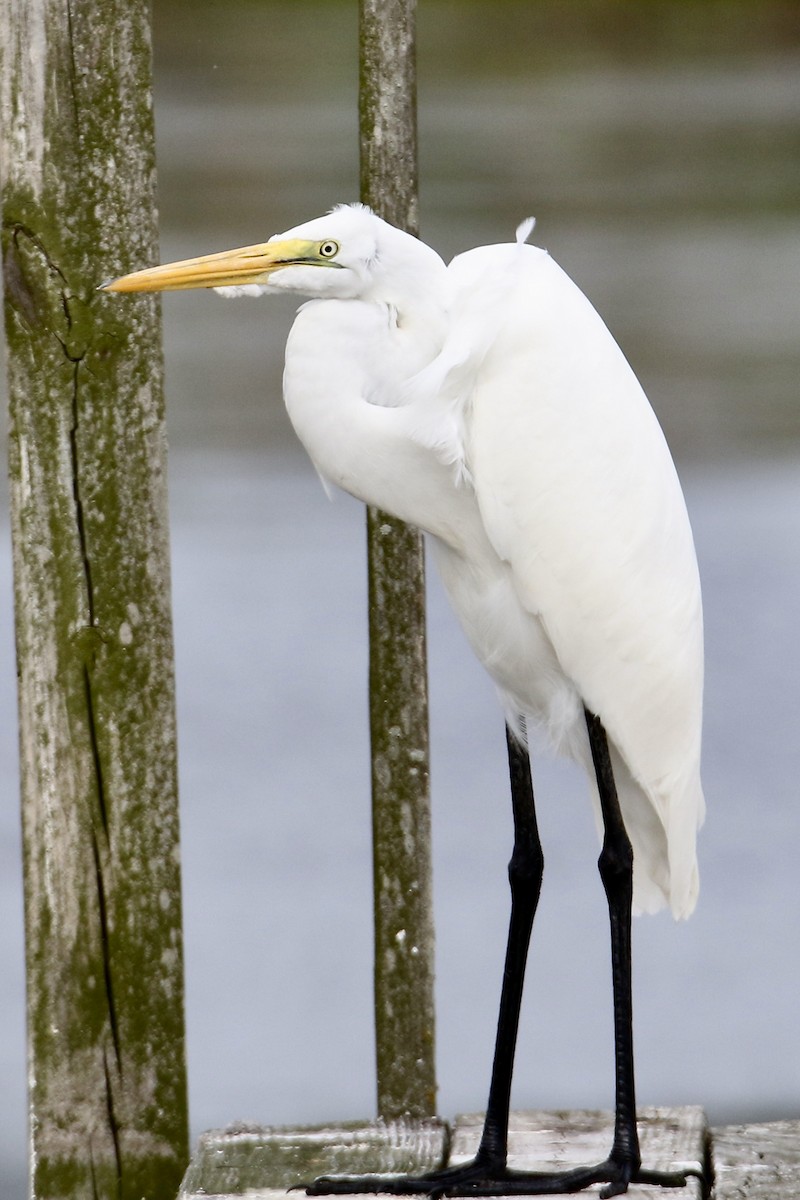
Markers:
230,268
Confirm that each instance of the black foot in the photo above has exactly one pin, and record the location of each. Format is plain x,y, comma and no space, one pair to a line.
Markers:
478,1179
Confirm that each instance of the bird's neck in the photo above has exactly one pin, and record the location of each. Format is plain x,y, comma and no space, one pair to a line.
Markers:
354,425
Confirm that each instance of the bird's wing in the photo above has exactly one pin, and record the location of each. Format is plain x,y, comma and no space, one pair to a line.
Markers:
440,394
578,493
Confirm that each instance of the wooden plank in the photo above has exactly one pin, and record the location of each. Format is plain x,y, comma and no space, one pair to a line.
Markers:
756,1162
671,1139
750,1162
262,1162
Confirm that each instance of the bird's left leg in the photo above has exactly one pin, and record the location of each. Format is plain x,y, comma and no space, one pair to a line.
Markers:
616,871
623,1165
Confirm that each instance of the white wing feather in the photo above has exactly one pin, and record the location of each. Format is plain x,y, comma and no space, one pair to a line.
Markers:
537,406
441,393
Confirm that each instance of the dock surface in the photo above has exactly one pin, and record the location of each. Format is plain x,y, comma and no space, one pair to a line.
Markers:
741,1162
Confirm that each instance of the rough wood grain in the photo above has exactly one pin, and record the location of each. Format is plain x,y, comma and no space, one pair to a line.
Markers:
93,628
671,1138
262,1162
751,1162
404,1008
756,1162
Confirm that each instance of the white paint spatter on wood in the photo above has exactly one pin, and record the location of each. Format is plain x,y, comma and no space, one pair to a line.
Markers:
756,1162
23,39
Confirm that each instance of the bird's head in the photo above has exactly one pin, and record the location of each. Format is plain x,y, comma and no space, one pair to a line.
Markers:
348,254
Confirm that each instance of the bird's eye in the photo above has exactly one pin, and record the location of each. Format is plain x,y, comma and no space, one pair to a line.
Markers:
328,249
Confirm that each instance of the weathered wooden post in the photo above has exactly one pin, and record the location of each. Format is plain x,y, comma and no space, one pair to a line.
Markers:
93,627
404,970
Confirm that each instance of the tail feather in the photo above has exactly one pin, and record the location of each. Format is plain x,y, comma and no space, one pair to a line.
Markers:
664,859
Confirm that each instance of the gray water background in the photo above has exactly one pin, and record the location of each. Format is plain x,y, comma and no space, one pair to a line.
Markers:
658,145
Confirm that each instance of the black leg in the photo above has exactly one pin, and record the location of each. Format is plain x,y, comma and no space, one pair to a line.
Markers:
487,1174
616,871
525,878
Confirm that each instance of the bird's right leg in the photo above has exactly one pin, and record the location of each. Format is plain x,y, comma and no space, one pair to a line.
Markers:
483,1174
525,871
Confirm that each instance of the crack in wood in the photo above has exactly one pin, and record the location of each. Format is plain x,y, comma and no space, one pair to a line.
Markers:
93,1176
80,523
105,947
15,283
113,1126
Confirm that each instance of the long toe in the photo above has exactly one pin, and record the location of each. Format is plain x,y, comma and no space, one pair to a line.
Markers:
480,1179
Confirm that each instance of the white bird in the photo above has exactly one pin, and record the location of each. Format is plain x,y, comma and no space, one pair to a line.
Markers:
488,404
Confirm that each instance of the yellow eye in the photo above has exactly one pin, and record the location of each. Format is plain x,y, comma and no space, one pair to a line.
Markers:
329,249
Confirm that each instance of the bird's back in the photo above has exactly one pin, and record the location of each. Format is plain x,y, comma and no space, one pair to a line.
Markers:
578,495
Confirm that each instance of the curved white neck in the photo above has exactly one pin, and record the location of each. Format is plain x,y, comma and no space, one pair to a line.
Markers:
358,435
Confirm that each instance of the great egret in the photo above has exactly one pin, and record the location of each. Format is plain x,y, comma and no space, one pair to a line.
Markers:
487,403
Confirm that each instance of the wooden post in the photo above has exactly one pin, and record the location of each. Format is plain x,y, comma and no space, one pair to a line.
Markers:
93,627
404,970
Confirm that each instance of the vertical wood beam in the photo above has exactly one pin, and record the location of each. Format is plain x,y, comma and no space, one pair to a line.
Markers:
87,458
404,967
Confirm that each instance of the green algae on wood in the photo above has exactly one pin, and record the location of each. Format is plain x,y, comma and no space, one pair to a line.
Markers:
87,458
404,967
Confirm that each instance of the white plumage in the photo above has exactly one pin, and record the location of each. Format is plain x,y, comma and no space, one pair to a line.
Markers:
487,403
558,522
